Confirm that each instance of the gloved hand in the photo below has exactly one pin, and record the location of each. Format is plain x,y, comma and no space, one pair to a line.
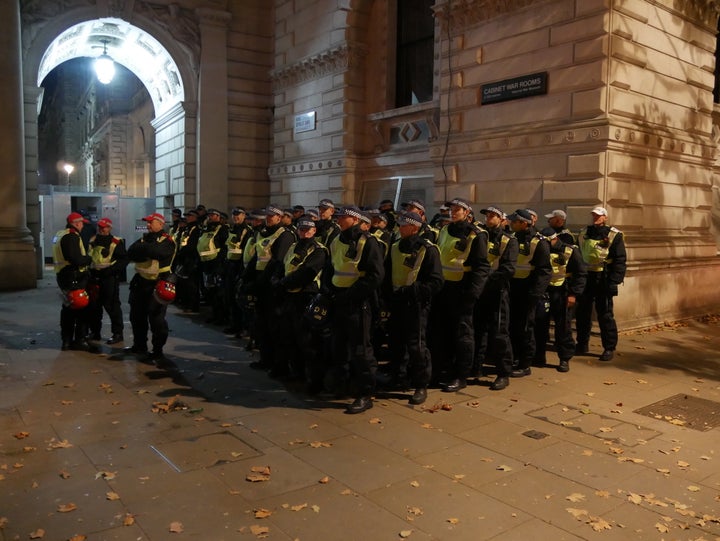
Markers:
105,252
612,290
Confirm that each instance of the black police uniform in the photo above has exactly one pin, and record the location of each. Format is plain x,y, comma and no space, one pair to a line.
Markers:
412,279
109,261
492,311
187,267
451,319
144,309
212,258
604,276
73,275
238,237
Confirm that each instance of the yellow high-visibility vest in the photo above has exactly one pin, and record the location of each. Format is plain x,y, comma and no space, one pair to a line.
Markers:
346,271
59,261
404,270
452,259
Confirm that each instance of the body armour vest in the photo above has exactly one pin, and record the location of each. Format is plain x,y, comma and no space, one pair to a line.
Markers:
345,260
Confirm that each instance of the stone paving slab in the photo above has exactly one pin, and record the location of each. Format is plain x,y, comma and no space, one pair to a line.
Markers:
552,457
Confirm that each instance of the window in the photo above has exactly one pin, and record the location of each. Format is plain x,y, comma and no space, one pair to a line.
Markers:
415,42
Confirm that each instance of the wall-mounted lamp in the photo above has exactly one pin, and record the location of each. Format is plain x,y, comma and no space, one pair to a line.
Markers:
69,168
104,66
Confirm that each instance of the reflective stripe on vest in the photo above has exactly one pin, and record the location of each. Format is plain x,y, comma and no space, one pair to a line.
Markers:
234,248
523,267
151,269
595,251
496,251
291,264
452,259
559,266
249,251
206,245
263,247
59,261
378,233
405,267
98,260
345,268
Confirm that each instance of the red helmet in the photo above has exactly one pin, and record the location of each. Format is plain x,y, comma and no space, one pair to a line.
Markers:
164,292
77,299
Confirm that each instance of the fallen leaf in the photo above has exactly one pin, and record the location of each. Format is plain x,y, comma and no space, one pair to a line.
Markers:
37,534
587,452
693,488
566,423
318,444
416,511
66,402
705,457
78,537
299,507
129,519
617,450
577,513
414,484
426,425
459,476
602,494
256,477
405,534
631,459
236,454
663,470
662,528
28,449
609,383
265,470
176,527
641,381
605,429
503,467
66,507
453,520
62,444
598,524
375,421
296,441
313,426
347,492
315,508
112,496
105,475
21,435
262,513
259,530
635,498
615,411
683,464
575,497
325,480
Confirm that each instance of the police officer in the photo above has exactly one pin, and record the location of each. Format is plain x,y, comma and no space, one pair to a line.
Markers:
356,271
414,276
387,207
152,255
528,285
238,235
109,259
211,247
557,220
567,283
270,246
603,249
492,311
426,231
327,229
298,282
464,256
71,270
187,264
176,217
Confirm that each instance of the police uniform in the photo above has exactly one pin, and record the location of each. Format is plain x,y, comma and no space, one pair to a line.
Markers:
109,259
152,255
238,237
492,311
71,272
569,275
298,282
533,272
603,250
211,247
414,276
464,256
269,248
187,265
355,272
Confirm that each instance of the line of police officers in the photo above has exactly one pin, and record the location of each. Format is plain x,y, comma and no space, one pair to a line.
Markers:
325,295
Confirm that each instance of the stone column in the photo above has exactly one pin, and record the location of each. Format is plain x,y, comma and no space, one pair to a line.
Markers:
212,117
17,252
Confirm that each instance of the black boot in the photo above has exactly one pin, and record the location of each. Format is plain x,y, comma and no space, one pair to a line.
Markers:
359,405
418,397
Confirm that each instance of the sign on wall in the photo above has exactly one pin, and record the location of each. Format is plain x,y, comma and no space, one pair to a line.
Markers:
515,88
305,122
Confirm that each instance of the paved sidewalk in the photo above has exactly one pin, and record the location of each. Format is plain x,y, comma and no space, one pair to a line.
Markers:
86,450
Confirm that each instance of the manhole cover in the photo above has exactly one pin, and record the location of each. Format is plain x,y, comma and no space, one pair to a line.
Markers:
684,410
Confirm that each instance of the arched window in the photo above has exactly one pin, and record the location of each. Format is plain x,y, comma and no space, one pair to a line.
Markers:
414,61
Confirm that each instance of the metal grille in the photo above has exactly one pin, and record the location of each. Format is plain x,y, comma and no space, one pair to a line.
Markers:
684,410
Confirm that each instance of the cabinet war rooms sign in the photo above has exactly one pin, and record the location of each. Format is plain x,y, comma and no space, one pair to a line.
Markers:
512,89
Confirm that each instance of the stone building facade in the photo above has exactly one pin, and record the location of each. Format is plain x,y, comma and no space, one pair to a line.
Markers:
297,101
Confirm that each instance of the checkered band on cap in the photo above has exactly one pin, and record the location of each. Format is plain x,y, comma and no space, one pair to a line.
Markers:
272,209
463,203
417,204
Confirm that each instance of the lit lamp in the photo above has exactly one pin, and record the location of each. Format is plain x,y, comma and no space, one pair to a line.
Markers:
69,168
104,66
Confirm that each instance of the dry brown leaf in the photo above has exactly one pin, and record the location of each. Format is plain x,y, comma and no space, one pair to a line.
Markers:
575,497
21,435
318,444
453,520
109,475
259,530
28,449
631,459
261,469
106,387
375,421
635,498
296,441
262,513
426,425
347,492
414,484
602,494
577,513
587,452
662,528
62,444
176,527
315,508
693,488
78,537
298,507
598,524
324,480
617,450
683,464
129,519
112,496
66,507
503,467
405,534
605,429
416,511
565,423
226,425
37,534
459,476
256,477
313,426
609,383
66,402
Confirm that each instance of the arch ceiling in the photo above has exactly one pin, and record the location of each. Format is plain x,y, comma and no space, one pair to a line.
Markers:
128,45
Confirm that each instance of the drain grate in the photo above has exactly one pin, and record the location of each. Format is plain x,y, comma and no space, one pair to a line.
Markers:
684,410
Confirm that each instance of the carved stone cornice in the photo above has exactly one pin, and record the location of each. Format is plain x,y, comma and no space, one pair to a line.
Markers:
341,57
706,11
464,13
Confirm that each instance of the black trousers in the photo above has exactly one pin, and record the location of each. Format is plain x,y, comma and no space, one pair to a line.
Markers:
522,322
108,298
596,294
409,352
73,323
560,315
146,313
353,358
452,335
492,331
297,347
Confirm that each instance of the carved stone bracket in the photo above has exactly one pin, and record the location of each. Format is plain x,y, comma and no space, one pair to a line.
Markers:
464,13
344,56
